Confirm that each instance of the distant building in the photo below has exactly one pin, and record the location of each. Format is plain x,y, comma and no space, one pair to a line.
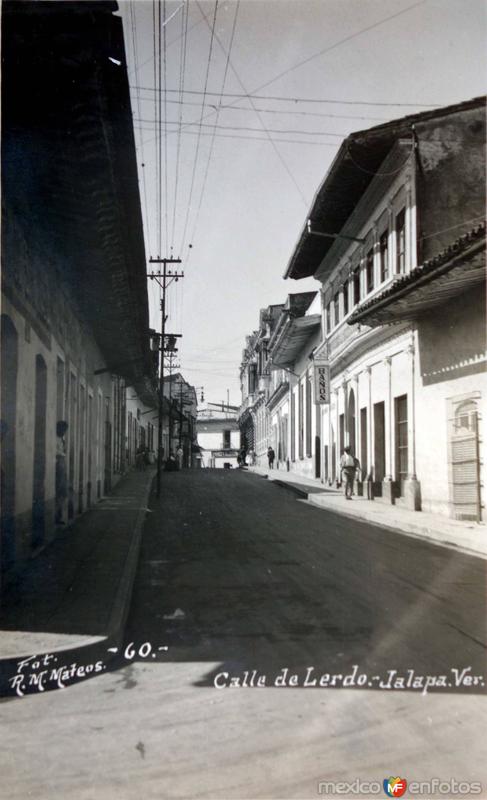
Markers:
218,436
290,403
255,376
74,324
402,268
179,418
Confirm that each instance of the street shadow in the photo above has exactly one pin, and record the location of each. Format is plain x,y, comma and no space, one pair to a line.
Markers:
236,572
247,577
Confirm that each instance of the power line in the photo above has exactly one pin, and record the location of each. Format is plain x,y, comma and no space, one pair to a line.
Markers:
288,112
215,126
182,71
248,95
254,138
212,143
339,44
174,41
212,28
274,146
156,104
133,25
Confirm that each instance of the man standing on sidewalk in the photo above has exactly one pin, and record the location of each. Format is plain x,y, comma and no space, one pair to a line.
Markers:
180,456
347,465
270,457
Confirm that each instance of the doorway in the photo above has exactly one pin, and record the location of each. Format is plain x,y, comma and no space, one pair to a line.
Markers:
401,440
379,447
351,423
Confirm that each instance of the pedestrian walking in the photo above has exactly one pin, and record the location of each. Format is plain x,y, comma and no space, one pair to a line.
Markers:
179,456
348,468
270,457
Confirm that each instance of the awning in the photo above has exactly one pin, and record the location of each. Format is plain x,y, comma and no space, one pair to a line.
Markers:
298,332
457,269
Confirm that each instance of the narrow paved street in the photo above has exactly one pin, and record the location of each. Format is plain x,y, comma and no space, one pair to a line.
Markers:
266,581
236,575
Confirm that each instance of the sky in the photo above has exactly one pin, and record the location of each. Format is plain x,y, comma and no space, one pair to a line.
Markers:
226,182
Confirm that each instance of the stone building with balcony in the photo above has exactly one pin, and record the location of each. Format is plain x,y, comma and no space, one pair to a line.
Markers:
255,380
290,401
396,236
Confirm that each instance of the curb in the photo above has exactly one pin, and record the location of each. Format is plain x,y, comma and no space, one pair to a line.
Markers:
123,598
423,534
415,531
93,653
291,488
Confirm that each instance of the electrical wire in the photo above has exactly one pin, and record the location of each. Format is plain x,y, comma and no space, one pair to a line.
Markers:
215,126
182,72
379,173
133,25
274,146
334,46
453,227
212,37
174,41
212,143
156,103
165,132
256,139
280,98
225,107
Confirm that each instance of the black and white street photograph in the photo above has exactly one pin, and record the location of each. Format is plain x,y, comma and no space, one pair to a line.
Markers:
243,382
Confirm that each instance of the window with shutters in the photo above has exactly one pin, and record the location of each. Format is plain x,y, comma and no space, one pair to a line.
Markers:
464,458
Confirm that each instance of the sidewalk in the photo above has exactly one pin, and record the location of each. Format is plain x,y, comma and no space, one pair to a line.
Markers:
468,537
73,598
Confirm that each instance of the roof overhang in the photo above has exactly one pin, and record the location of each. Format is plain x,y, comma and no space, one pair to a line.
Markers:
67,118
457,269
297,334
351,172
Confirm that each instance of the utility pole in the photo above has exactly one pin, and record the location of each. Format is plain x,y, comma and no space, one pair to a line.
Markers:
167,276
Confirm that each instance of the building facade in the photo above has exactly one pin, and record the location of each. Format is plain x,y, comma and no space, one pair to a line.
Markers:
179,418
255,381
402,268
218,437
290,400
77,373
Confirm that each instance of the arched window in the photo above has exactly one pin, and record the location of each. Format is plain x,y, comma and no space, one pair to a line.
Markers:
466,418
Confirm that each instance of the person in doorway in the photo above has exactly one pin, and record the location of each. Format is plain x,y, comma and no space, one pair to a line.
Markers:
348,468
140,461
171,464
61,474
271,457
179,456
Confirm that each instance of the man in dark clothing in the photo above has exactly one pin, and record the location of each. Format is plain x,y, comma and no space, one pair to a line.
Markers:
270,457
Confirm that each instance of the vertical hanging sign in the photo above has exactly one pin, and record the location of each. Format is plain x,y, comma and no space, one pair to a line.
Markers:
322,382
